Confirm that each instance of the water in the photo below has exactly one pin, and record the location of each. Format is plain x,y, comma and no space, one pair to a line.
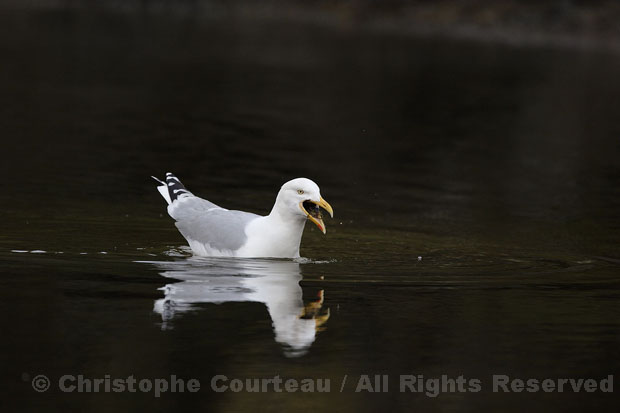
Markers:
475,190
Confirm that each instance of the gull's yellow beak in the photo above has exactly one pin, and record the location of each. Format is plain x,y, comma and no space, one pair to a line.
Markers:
312,211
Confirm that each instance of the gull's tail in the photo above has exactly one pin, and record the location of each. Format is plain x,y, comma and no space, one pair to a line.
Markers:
172,188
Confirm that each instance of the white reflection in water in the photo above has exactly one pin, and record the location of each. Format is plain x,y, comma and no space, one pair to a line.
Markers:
274,283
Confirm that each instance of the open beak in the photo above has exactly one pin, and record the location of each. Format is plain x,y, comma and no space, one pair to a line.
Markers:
313,212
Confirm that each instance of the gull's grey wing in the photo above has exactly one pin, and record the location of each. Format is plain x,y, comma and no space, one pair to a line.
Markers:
203,221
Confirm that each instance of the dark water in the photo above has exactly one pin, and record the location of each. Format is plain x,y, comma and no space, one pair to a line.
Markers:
475,189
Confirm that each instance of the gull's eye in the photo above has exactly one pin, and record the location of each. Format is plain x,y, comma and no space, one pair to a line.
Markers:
300,191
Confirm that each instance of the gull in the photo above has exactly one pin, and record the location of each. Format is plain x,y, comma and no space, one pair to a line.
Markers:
213,231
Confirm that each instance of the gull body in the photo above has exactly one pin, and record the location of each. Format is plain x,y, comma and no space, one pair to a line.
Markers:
212,230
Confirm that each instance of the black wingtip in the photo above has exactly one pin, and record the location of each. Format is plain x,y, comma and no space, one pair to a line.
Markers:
175,187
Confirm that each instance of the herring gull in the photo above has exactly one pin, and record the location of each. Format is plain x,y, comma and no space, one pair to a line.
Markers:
213,231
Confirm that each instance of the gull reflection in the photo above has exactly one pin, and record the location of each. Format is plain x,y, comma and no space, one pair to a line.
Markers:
274,283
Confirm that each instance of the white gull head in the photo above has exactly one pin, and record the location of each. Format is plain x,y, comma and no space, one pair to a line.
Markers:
300,198
294,192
